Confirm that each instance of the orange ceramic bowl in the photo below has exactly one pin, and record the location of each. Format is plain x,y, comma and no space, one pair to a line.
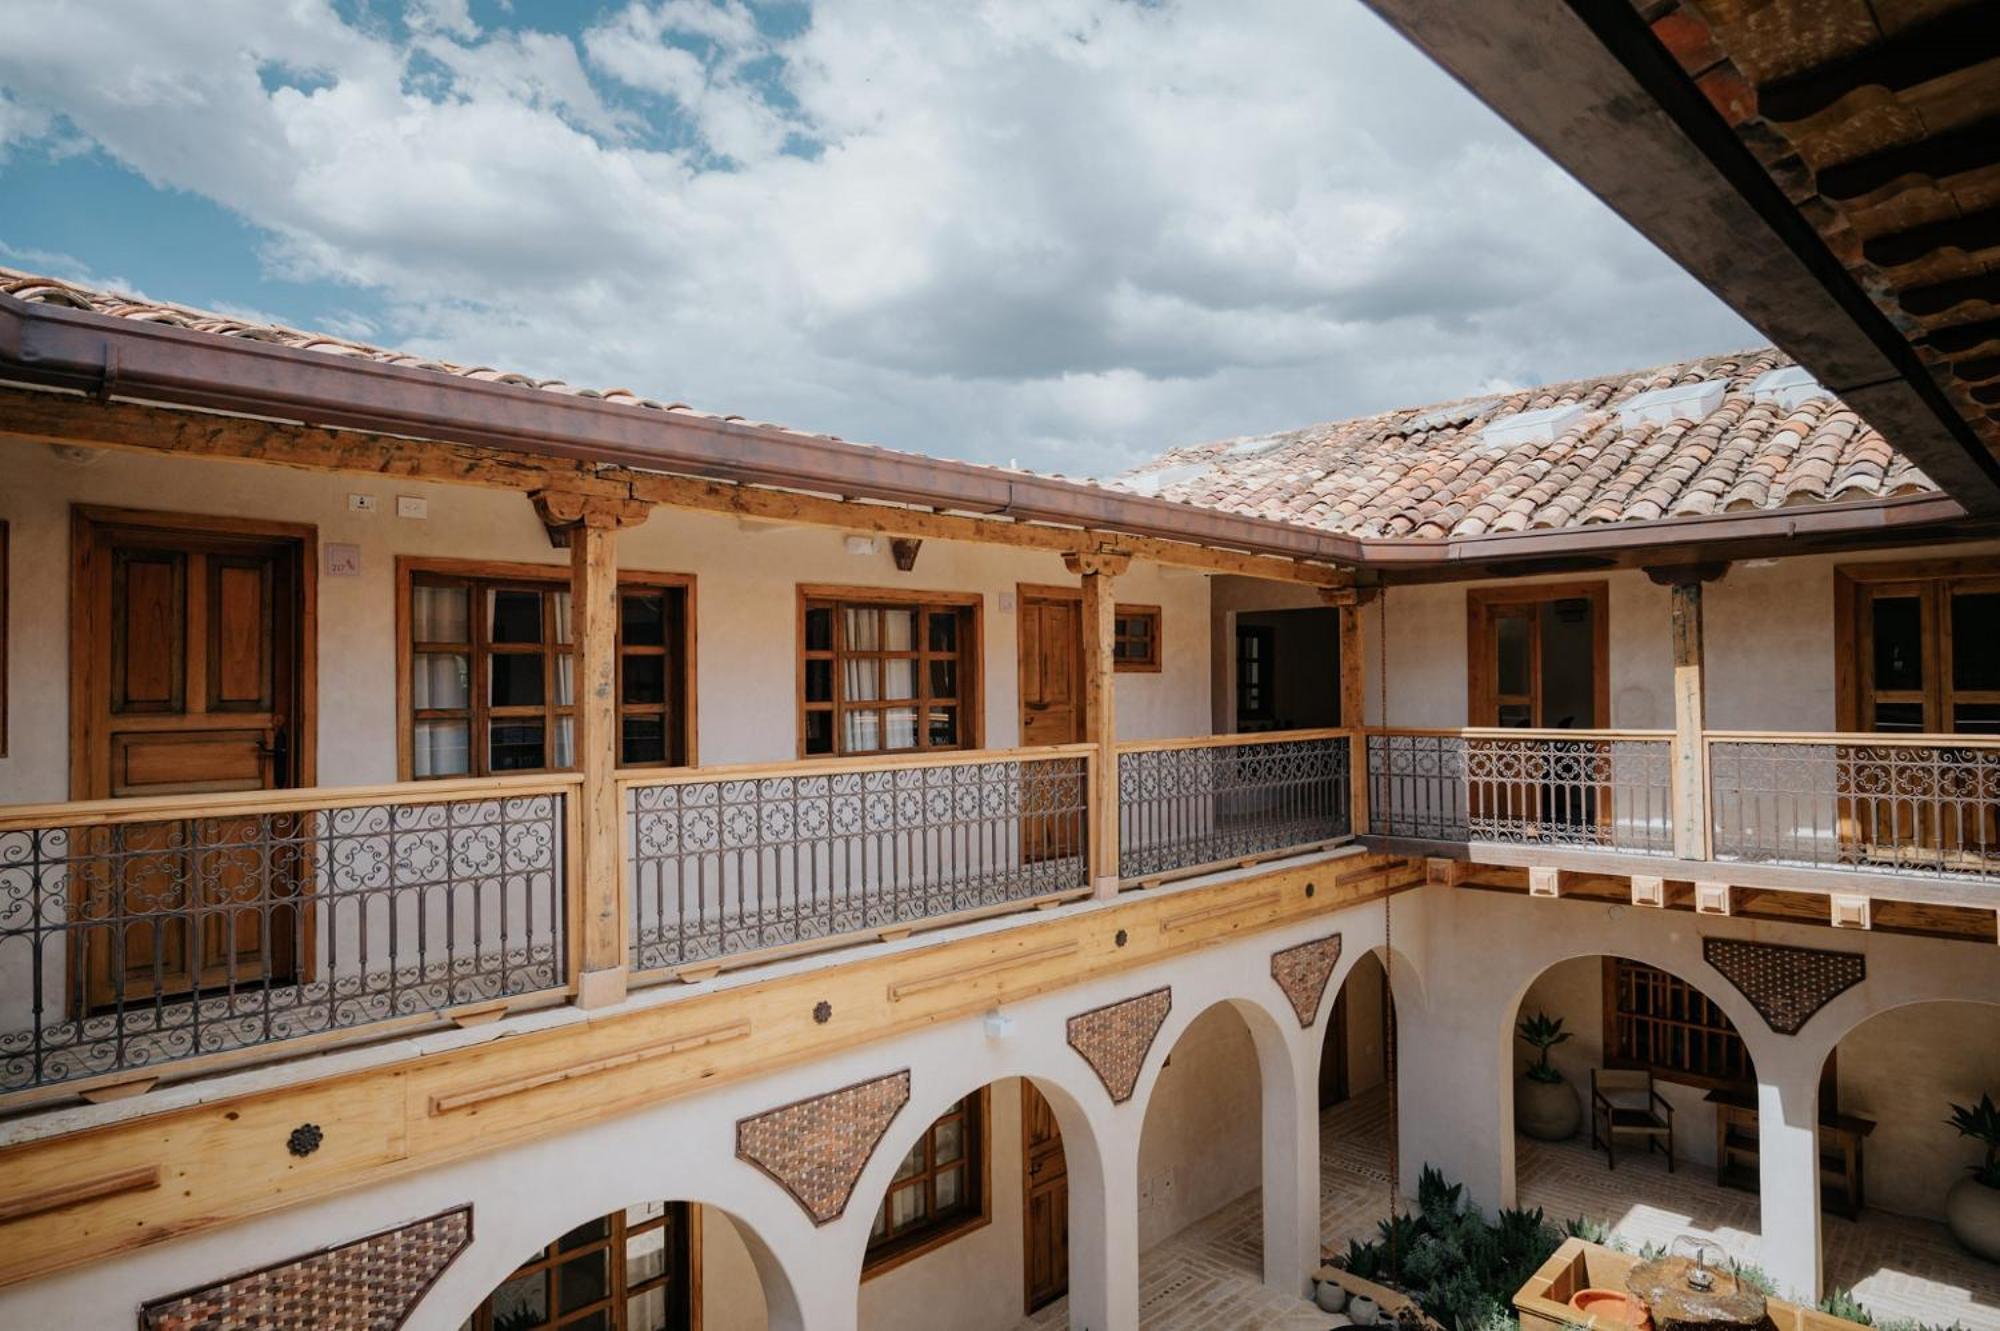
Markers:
1612,1307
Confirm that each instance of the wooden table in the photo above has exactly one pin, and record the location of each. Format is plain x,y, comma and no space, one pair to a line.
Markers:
1840,1136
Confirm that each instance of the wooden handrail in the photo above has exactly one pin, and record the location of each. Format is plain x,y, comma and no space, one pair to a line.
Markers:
1872,739
1241,737
144,808
675,776
1510,732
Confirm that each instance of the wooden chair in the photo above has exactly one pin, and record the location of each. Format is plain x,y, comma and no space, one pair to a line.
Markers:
1624,1103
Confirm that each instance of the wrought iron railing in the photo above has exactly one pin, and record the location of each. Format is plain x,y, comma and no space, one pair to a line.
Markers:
136,934
1190,804
726,862
1904,804
1601,789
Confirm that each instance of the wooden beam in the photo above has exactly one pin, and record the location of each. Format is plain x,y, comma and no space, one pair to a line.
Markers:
128,427
1690,750
224,1161
1100,708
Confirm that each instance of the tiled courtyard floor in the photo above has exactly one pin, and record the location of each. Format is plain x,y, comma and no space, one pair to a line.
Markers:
1207,1277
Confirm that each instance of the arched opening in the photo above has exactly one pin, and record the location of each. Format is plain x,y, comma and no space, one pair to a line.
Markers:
1633,1105
972,1226
1891,1157
651,1266
1201,1149
1355,1104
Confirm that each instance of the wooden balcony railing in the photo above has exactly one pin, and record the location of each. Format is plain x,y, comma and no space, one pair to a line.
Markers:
1596,789
141,933
1193,804
1891,804
734,862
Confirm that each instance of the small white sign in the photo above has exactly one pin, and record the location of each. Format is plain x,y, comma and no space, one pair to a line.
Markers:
361,503
410,506
1006,603
343,561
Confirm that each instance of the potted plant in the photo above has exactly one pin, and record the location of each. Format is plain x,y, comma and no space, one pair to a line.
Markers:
1545,1106
1972,1207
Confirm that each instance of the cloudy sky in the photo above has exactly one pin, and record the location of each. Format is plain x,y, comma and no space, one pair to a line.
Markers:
1065,232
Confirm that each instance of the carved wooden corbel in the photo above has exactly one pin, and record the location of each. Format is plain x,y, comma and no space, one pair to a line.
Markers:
1111,563
562,511
903,549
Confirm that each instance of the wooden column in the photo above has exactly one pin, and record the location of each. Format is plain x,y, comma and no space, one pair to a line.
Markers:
1099,572
1354,695
1690,753
600,915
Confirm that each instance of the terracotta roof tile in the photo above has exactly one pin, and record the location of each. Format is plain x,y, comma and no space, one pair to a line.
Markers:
1427,472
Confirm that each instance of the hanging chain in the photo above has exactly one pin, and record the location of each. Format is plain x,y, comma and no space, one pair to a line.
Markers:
1389,1057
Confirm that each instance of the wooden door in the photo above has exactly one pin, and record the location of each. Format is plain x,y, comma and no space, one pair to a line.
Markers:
1045,1200
1539,660
1052,712
188,643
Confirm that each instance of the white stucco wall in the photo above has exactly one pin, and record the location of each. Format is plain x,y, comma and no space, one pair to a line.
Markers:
731,1297
1904,1069
746,575
1201,1143
1366,993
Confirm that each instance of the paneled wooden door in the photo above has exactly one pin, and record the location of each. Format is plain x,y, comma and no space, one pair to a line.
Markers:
190,642
1045,1200
1051,675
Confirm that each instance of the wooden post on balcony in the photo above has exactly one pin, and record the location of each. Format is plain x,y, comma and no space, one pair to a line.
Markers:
1099,572
1690,752
1354,696
599,914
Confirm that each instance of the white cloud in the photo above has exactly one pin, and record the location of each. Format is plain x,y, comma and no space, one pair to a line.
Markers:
1068,231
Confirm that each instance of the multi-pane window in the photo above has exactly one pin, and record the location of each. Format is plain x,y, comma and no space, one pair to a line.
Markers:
627,1271
886,676
1135,644
491,673
1929,655
1255,700
938,1189
1659,1021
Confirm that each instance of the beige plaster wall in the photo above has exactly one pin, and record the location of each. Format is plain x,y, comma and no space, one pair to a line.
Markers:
1367,1065
1905,1068
1574,991
975,1281
732,1296
746,575
1202,1143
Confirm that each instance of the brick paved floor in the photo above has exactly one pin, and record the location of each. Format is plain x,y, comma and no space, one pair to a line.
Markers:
1208,1277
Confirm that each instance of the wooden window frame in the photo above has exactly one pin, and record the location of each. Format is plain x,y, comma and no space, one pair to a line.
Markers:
484,574
1931,581
934,1233
1482,703
1149,665
1686,1076
1268,636
970,701
618,1230
1149,662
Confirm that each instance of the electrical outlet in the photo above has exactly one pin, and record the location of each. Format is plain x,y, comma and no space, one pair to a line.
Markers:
361,503
411,506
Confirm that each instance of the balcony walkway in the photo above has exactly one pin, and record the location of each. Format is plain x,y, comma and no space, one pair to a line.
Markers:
1207,1277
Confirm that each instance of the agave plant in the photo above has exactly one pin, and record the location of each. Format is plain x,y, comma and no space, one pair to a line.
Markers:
1982,1123
1544,1033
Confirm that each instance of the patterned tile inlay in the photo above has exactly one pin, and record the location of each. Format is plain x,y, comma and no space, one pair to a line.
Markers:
1302,972
371,1284
1115,1038
816,1149
1785,984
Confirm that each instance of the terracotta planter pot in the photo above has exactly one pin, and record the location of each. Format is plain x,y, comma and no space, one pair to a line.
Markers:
1611,1308
1972,1213
1548,1111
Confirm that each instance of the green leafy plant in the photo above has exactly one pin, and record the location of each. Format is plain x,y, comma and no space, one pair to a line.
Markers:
1583,1227
1982,1123
1544,1033
1841,1303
